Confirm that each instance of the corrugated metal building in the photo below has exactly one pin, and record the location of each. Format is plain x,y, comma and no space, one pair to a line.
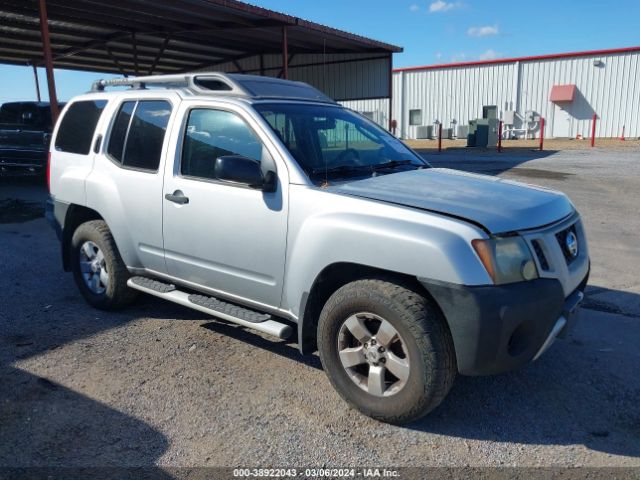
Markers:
342,76
565,89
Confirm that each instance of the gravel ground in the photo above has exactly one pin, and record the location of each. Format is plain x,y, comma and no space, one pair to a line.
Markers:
159,384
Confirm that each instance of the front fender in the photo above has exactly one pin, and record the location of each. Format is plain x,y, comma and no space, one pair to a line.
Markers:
327,228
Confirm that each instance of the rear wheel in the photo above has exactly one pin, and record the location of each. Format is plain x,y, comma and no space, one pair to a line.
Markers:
386,349
97,267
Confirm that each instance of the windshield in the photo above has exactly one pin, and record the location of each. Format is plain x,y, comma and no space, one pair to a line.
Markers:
332,142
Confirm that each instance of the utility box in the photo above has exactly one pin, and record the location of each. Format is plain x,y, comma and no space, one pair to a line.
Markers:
509,117
487,132
483,132
492,135
490,112
463,131
471,133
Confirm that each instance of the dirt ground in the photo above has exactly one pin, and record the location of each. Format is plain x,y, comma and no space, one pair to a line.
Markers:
161,385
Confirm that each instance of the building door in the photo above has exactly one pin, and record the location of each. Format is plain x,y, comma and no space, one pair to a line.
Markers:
562,122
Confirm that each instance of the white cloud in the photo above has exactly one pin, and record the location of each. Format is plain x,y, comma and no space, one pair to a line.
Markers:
438,56
458,57
442,6
489,55
414,7
483,31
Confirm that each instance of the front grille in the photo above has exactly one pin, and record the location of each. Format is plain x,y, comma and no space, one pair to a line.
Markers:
542,258
562,241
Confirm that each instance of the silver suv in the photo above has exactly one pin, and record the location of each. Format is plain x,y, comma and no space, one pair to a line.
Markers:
264,203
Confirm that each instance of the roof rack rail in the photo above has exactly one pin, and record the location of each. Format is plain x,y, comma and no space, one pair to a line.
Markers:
252,86
218,82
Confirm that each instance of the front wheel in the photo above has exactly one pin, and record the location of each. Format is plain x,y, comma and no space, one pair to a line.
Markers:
386,349
97,267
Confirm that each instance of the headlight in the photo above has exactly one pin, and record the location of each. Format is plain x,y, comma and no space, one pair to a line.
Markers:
506,259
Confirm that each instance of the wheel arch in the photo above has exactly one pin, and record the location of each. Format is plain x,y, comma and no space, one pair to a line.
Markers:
330,279
76,216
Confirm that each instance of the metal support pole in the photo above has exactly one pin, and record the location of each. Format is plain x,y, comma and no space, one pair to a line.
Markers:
541,134
500,137
35,76
391,93
440,137
48,60
285,54
593,130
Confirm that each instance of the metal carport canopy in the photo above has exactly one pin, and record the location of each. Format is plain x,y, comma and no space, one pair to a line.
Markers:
142,37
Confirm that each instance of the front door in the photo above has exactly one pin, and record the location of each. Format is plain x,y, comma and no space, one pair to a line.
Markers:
562,122
229,238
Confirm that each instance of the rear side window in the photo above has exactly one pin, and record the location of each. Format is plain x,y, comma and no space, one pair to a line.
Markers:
138,134
77,126
119,131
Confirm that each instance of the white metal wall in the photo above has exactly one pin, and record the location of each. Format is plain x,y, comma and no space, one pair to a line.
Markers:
341,76
445,95
377,109
611,90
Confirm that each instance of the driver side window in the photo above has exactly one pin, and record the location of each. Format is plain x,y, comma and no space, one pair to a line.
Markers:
215,133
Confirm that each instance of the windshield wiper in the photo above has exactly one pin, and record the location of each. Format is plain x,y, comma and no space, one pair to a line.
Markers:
364,168
342,169
394,164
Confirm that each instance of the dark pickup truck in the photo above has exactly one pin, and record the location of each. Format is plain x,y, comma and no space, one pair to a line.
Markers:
25,133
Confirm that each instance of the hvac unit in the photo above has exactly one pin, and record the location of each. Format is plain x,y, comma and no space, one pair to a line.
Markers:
424,132
447,133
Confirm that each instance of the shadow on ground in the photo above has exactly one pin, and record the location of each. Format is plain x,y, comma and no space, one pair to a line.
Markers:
46,424
488,162
42,422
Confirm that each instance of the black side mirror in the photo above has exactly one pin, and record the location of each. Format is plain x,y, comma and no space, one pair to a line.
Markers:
244,171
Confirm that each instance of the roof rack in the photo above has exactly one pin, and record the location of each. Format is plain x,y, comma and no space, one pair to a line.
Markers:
251,86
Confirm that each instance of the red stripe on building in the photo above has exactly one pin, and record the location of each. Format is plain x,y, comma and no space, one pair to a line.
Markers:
587,53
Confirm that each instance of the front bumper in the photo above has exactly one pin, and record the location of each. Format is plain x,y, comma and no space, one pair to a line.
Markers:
500,328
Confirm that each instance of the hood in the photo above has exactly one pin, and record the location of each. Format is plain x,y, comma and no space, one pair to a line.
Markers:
498,205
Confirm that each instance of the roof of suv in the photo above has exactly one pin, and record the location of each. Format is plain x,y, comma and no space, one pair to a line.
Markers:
251,87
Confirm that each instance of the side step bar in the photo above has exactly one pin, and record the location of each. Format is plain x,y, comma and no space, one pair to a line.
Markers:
227,311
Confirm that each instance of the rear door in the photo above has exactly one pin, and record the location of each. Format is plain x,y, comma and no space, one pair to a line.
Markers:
125,185
71,151
229,238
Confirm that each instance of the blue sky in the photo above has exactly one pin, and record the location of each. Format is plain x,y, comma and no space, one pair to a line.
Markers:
431,31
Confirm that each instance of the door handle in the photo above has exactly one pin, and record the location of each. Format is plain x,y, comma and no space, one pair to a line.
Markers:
98,144
177,197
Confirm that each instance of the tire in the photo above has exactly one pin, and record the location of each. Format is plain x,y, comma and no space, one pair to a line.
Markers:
113,293
421,332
